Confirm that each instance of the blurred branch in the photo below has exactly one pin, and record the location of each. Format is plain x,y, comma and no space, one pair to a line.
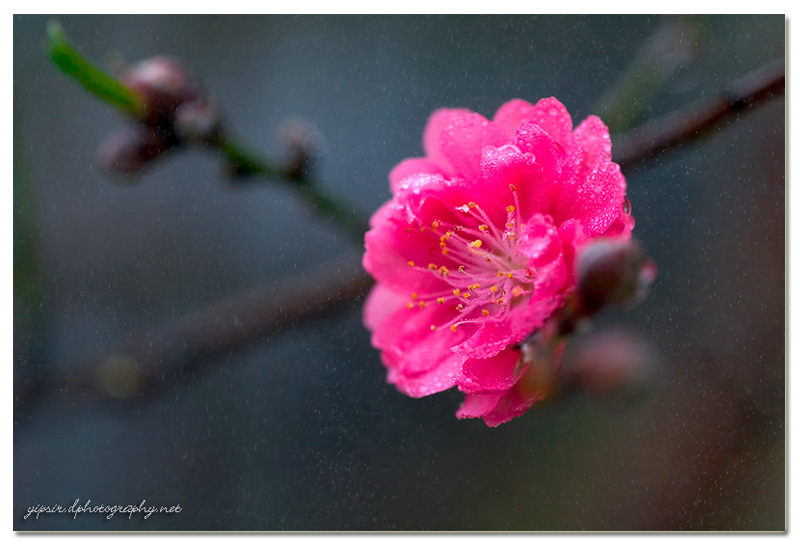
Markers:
668,50
677,128
147,363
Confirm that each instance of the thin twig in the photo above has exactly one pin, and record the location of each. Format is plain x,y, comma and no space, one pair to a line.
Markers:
684,125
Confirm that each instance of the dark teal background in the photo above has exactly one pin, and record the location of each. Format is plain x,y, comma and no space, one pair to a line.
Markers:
300,431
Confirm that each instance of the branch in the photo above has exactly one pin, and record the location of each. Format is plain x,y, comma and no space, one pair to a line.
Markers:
675,129
146,364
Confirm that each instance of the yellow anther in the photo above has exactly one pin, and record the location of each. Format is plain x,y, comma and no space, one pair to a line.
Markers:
414,295
493,288
456,292
485,312
483,227
433,328
510,225
432,266
410,305
472,205
512,187
511,208
453,328
509,275
461,268
410,263
444,270
500,275
516,292
445,251
473,287
440,300
436,224
422,304
460,307
466,295
476,243
422,229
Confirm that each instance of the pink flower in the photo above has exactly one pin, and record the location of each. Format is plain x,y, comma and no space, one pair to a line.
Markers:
476,250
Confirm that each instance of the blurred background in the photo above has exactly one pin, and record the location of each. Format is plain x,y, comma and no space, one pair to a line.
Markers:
298,430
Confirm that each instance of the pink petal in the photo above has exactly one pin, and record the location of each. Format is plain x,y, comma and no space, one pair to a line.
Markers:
505,167
409,167
572,238
380,304
548,153
511,115
596,201
490,374
499,407
548,113
431,140
477,405
493,337
595,143
437,379
463,141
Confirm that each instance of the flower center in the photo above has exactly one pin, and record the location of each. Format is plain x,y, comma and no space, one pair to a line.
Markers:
486,274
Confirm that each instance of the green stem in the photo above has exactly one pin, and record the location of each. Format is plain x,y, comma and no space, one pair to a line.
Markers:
94,80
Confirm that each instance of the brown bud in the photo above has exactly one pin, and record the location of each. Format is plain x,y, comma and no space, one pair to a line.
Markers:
613,271
164,84
130,149
198,120
610,363
303,143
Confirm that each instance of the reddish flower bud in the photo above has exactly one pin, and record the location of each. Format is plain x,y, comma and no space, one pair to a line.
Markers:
613,271
163,84
303,143
198,120
609,363
128,150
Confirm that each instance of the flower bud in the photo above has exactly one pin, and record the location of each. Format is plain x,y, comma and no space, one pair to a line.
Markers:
610,363
198,120
612,271
303,143
164,84
130,149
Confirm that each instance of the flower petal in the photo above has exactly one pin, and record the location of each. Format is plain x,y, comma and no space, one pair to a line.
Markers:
431,140
596,201
505,167
490,374
410,167
548,113
463,141
511,115
595,143
548,153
